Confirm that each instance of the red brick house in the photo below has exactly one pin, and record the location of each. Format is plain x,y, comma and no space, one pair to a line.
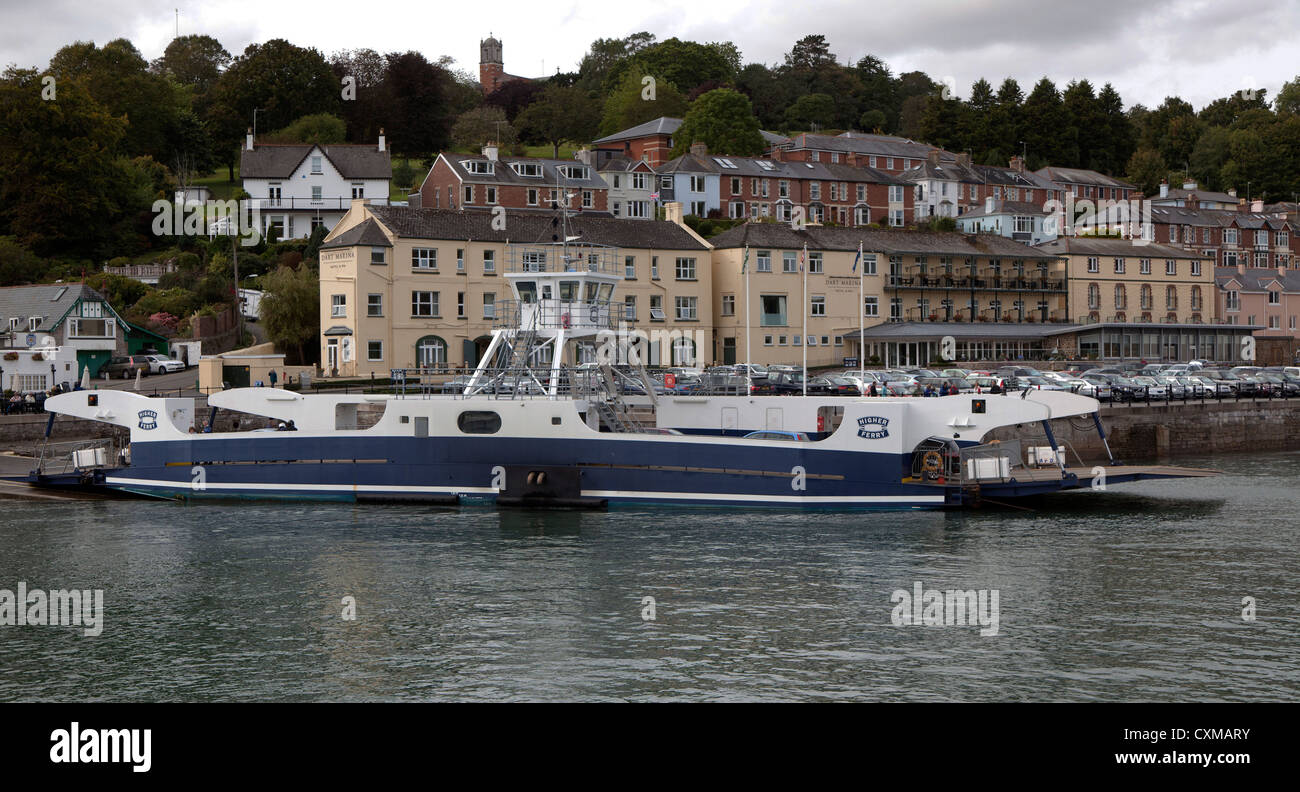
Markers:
649,142
887,153
469,182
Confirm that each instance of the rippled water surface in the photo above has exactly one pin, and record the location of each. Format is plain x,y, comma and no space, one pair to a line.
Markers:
1134,594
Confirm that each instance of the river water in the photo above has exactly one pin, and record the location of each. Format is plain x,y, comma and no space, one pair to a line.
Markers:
1132,594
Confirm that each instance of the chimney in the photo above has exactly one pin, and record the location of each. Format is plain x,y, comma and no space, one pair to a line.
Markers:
932,157
1257,205
673,212
1018,164
248,141
583,155
699,149
1232,191
778,154
1191,201
1164,188
381,138
851,159
1189,185
963,159
490,151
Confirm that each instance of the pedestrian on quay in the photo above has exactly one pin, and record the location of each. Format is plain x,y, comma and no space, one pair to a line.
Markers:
272,377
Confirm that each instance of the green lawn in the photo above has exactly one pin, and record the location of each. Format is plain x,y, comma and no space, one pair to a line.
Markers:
222,189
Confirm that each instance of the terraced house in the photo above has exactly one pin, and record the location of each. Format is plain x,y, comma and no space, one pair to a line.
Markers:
1113,280
468,183
755,188
423,288
888,153
949,283
1247,236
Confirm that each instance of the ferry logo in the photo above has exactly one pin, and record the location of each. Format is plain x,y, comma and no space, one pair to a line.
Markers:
148,419
865,427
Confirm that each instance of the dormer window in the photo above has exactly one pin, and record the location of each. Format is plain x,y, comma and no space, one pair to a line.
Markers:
479,167
529,170
574,171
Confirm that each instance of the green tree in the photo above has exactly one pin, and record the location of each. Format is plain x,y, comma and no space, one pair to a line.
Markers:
1211,152
628,106
724,120
18,265
320,128
1146,168
65,190
422,100
481,125
1288,99
1042,119
118,77
290,309
196,62
560,114
685,64
811,112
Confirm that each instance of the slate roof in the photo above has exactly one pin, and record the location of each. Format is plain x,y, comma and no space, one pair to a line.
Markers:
503,174
280,160
1005,208
663,125
749,167
623,164
48,301
1082,176
1110,246
1217,218
1178,193
366,233
939,243
1256,279
527,227
862,143
943,170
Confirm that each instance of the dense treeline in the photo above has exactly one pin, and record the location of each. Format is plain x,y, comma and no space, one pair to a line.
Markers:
88,143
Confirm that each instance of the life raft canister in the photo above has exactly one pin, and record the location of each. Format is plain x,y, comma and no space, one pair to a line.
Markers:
564,321
821,423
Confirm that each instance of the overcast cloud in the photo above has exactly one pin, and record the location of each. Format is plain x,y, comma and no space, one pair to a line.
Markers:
1195,49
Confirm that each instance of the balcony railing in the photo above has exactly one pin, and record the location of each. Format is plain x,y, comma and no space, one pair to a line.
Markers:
305,204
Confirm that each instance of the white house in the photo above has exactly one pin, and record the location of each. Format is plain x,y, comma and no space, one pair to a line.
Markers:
1019,220
73,317
300,186
631,185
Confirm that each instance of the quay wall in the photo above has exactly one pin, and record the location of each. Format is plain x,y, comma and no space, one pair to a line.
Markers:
1172,430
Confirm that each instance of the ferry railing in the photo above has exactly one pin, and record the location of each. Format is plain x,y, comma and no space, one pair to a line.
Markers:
71,456
991,462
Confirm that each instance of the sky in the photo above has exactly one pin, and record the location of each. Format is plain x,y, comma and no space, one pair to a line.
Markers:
1197,49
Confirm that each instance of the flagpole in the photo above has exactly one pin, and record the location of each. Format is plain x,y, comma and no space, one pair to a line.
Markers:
862,347
803,265
744,270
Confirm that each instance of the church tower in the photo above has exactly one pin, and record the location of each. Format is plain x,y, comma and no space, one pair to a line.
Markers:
491,69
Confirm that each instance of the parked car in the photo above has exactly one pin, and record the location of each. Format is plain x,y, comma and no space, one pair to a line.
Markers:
126,367
833,386
1042,383
161,364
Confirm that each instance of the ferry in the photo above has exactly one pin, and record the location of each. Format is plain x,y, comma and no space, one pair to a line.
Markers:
543,423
